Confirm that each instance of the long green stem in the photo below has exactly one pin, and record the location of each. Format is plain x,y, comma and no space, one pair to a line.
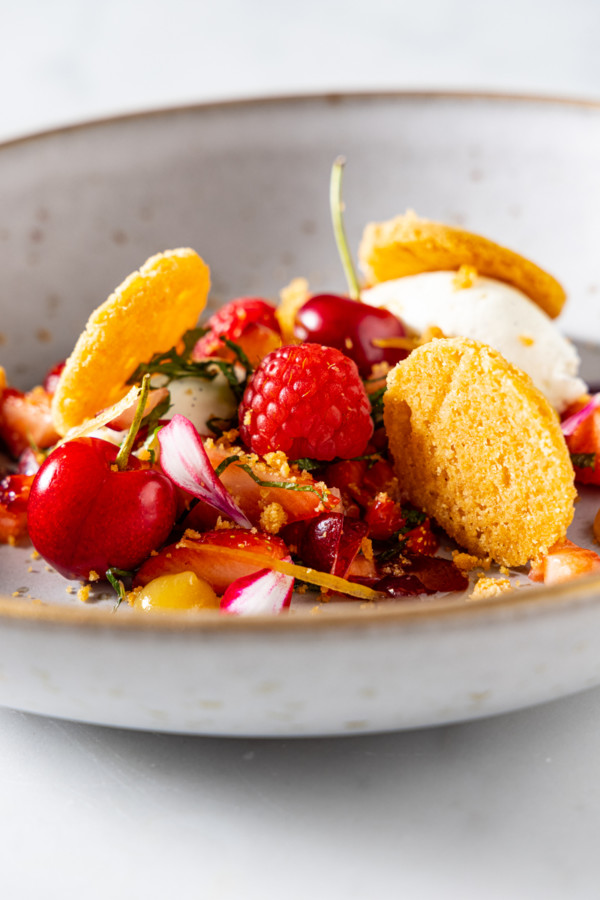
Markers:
337,206
123,454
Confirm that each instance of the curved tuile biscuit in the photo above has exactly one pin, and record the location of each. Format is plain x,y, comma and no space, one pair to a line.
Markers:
479,448
147,314
408,245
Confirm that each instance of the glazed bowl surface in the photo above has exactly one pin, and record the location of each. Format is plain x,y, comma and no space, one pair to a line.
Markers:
246,185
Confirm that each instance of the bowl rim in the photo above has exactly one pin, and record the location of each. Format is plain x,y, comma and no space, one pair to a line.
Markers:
332,97
584,591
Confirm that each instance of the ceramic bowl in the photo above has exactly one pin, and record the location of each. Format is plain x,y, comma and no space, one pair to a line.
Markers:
246,184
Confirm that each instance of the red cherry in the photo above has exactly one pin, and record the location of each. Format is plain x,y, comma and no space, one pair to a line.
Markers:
350,326
85,515
331,541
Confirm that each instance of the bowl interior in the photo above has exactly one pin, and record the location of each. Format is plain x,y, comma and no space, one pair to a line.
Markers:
246,184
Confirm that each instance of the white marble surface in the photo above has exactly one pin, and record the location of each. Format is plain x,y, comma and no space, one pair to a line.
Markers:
508,807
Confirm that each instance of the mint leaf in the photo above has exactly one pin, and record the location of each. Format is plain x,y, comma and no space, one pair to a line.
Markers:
583,460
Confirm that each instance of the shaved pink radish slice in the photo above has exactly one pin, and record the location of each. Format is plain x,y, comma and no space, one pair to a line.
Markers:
570,425
184,459
263,592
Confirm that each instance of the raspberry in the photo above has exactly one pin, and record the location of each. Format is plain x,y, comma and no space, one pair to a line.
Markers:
307,401
232,321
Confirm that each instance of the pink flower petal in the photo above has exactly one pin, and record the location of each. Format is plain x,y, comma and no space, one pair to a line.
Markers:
263,592
570,425
184,459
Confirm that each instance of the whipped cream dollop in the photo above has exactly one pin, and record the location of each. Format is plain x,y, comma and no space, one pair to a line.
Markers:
494,313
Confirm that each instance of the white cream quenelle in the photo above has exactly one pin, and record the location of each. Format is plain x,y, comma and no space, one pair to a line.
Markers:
494,313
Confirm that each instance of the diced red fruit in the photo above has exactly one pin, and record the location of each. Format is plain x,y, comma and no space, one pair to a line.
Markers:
380,477
357,482
307,401
350,326
347,476
424,575
201,554
253,498
421,540
51,379
245,317
331,542
565,561
384,517
85,515
14,494
586,440
26,419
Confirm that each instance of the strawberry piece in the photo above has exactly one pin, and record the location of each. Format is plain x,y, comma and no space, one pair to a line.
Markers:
381,478
200,553
307,401
584,444
384,517
347,476
253,498
14,494
246,320
421,540
565,561
26,419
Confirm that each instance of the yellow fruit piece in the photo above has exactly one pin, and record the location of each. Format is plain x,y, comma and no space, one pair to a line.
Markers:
408,245
181,591
147,314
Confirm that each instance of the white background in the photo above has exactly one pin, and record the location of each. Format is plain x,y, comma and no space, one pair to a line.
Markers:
508,808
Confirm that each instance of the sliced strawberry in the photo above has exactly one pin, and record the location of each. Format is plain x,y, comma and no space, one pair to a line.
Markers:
26,419
201,554
303,499
249,322
584,447
14,494
565,561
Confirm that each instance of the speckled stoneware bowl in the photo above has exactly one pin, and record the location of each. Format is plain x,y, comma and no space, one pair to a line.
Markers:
246,184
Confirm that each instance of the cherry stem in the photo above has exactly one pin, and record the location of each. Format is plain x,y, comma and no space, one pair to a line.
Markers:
123,454
337,206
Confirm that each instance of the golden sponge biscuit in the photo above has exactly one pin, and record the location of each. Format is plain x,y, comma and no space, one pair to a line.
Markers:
478,447
408,245
147,314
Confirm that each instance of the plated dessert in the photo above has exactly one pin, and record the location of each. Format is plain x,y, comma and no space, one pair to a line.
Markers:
417,436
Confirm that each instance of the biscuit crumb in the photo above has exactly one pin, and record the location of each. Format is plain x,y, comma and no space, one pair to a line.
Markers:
490,587
464,278
70,589
273,518
366,545
224,524
279,461
466,563
83,593
93,576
